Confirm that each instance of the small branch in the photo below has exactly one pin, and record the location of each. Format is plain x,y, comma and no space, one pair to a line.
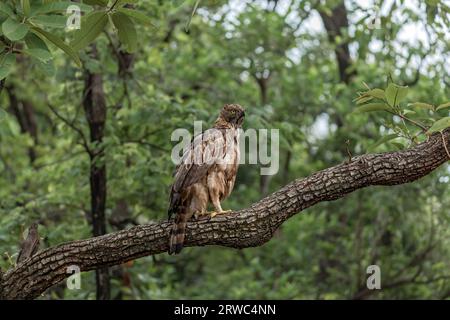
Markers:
68,158
395,284
444,143
424,129
113,5
75,128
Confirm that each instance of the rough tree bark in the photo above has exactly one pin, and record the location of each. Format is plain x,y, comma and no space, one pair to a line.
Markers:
244,228
95,109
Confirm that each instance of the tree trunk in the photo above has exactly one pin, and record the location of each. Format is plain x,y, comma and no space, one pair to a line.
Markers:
333,25
25,115
264,180
95,109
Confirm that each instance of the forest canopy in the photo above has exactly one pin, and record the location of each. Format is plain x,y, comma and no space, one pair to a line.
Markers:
91,92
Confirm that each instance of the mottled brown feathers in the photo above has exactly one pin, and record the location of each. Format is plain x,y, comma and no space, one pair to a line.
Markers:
30,245
207,172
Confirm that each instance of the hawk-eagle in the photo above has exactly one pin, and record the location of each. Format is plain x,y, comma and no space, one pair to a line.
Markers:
206,174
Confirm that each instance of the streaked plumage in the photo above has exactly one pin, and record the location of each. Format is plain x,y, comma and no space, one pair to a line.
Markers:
207,172
30,245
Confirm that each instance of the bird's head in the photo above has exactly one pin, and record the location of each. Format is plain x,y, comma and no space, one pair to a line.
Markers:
233,114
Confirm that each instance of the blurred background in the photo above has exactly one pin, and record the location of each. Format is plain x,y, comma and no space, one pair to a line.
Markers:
295,66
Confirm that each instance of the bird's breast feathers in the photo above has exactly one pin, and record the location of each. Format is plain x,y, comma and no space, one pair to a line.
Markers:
229,159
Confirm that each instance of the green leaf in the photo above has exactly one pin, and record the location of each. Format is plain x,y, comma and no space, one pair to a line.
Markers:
137,16
376,93
440,125
395,94
370,94
14,30
3,114
6,63
363,99
60,7
102,3
372,107
91,26
92,65
126,30
6,9
399,145
407,111
40,54
383,140
54,21
34,42
443,106
177,3
57,42
126,1
48,68
422,105
390,93
25,7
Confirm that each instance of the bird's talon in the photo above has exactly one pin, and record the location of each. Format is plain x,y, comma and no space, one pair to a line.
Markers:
215,213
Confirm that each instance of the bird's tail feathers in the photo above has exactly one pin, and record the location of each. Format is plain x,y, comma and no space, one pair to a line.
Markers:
175,203
178,233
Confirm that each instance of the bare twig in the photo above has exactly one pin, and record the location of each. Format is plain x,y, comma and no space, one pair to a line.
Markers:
445,145
80,132
424,129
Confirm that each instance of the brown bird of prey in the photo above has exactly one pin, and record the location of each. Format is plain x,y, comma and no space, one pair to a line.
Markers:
206,174
30,245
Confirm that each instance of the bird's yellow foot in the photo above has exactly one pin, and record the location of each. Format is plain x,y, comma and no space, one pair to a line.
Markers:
215,213
209,215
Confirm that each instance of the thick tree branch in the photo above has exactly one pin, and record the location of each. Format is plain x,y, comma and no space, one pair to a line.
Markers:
244,228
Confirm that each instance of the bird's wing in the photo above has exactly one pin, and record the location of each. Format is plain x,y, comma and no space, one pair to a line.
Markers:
29,247
203,153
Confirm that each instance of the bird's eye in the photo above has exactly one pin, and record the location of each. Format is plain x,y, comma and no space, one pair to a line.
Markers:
233,111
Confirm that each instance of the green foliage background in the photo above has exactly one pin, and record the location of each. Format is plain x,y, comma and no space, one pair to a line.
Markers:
186,69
